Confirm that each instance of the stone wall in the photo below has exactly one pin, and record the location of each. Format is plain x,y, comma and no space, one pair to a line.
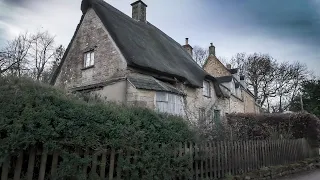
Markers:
249,103
215,67
139,97
236,104
112,92
194,101
108,60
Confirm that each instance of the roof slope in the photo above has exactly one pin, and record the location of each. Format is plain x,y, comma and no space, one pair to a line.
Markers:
150,83
146,47
224,79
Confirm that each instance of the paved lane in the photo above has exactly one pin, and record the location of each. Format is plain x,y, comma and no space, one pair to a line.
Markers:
312,175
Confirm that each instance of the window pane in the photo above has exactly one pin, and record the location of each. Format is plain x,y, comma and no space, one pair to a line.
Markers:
88,59
169,103
161,96
206,88
202,116
216,116
162,106
91,58
85,60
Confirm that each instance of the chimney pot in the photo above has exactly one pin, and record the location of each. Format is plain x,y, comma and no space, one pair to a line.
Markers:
139,11
187,41
212,49
188,48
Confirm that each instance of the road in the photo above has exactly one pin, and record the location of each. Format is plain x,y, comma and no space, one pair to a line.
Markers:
311,175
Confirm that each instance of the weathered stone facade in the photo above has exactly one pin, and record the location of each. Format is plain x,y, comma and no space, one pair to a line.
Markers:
109,63
108,77
195,101
214,67
240,99
140,97
250,105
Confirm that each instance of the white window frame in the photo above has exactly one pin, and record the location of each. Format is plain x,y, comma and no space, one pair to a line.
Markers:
206,91
171,104
88,59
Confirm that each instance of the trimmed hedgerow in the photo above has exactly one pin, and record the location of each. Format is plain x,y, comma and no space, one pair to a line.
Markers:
266,126
37,115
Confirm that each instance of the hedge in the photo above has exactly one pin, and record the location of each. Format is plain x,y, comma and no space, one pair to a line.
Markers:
34,114
266,126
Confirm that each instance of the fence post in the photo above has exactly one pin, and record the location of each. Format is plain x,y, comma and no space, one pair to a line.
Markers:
32,156
43,165
196,152
111,167
215,159
54,164
202,151
103,164
211,160
191,159
234,155
238,157
5,168
17,171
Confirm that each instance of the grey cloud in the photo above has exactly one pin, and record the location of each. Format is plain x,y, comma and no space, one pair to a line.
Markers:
16,2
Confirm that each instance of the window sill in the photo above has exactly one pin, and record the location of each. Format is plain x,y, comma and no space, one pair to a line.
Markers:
207,96
89,67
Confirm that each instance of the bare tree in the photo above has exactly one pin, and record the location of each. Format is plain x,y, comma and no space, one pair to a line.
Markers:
260,70
273,84
13,57
288,82
223,60
58,55
200,55
43,51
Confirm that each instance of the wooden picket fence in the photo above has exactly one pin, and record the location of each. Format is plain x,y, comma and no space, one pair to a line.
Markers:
216,160
212,160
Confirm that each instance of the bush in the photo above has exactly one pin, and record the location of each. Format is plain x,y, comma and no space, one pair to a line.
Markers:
33,114
266,126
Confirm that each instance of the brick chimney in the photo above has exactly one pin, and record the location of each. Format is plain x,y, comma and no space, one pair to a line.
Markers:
212,49
139,11
188,47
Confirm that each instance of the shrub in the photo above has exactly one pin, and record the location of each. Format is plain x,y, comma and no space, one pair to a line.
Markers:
266,126
37,115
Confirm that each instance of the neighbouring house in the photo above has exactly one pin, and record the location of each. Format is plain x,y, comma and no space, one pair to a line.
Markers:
240,98
128,60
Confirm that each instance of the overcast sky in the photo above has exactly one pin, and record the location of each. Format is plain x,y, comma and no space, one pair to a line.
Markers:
289,30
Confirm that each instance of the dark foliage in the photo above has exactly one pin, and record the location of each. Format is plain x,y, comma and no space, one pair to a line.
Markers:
310,98
266,126
33,114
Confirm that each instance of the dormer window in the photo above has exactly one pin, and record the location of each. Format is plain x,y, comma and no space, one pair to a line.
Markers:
206,88
88,59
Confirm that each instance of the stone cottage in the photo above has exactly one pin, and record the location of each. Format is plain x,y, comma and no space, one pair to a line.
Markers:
240,98
128,60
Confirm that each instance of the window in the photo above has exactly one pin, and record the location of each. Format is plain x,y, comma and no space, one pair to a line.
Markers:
202,116
206,88
216,117
88,59
169,103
